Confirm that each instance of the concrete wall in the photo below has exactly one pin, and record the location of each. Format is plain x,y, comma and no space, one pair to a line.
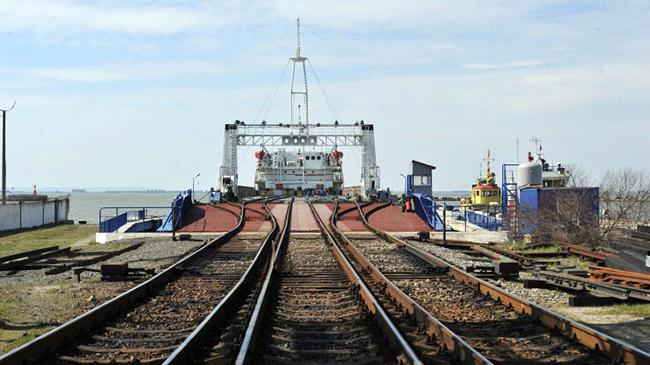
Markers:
9,217
29,214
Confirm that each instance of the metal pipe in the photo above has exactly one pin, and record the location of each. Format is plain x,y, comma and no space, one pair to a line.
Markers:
194,178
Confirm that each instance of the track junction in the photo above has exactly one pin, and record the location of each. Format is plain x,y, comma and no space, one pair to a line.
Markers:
314,282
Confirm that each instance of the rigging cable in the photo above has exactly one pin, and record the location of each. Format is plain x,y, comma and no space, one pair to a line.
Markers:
268,101
327,99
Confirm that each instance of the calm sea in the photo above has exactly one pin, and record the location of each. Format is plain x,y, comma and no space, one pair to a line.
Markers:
86,205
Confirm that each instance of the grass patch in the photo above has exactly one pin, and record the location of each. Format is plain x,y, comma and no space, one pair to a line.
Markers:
62,236
637,310
106,247
12,339
519,246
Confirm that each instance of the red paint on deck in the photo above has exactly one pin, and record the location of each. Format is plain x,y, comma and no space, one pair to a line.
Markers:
324,212
350,221
302,220
391,219
279,211
224,217
207,218
256,218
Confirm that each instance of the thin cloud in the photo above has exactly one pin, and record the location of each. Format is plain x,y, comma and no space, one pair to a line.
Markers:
502,66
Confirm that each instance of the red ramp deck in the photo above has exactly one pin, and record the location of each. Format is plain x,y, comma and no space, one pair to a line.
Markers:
302,219
392,219
224,217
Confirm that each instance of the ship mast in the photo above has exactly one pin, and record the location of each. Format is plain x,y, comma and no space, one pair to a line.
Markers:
488,172
295,90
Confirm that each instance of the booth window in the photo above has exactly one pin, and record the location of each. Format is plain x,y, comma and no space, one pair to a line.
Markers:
421,180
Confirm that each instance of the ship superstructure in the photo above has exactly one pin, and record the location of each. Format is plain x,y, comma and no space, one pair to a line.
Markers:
300,155
285,172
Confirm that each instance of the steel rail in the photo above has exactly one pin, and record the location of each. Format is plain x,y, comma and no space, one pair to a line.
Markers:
458,348
353,208
26,254
573,282
253,329
589,337
246,353
188,350
46,344
373,304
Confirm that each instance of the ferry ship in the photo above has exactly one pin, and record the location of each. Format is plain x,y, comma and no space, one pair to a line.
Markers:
283,172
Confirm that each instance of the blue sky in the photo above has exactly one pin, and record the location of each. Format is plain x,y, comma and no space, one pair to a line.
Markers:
135,93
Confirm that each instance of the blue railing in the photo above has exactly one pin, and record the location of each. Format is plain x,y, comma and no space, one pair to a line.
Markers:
425,207
179,208
485,221
112,218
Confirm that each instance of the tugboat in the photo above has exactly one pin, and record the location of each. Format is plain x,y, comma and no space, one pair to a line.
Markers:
486,193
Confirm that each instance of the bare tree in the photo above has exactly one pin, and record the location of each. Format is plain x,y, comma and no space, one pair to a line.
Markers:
572,215
578,176
625,194
565,216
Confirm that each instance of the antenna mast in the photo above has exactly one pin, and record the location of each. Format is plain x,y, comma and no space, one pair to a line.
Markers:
538,146
294,91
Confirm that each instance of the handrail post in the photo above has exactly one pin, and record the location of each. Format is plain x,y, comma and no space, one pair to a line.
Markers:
444,222
173,222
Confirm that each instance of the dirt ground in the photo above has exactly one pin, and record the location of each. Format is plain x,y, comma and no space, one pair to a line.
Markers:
629,327
31,303
28,310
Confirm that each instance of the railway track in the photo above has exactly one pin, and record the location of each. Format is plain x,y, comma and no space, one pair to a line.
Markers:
149,322
506,330
314,308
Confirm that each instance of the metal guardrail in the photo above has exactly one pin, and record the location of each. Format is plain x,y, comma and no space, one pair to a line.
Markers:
482,220
32,352
125,214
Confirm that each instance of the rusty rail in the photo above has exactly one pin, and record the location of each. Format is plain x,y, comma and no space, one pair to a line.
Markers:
621,277
458,348
246,354
47,344
190,348
593,339
254,325
585,252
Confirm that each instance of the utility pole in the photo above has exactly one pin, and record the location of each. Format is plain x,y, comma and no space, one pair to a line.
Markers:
4,152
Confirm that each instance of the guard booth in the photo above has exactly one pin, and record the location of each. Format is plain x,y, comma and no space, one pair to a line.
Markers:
420,180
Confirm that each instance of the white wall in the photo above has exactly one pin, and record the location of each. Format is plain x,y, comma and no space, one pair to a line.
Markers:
9,217
33,214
